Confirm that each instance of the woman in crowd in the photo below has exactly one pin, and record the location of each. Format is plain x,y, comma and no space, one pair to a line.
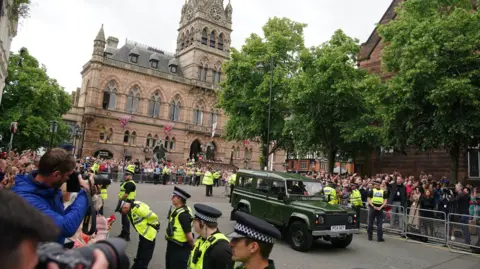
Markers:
427,205
413,219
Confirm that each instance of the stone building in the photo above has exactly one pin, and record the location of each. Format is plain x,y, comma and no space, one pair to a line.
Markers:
8,30
437,162
167,101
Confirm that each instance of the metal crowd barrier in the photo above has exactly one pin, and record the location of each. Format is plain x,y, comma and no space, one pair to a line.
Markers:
427,224
463,233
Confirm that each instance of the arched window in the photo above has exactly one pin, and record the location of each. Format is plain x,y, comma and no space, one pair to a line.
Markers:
172,143
175,110
149,140
154,105
155,141
237,152
204,73
110,96
166,142
213,118
220,42
133,138
109,135
101,136
214,77
204,37
198,115
133,100
126,137
212,39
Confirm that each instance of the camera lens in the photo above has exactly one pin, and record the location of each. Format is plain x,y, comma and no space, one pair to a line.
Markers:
114,250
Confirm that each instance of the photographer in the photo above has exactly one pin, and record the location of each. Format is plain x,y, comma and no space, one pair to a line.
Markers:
41,189
22,227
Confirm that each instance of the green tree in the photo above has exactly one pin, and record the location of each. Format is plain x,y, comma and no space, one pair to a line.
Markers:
433,100
328,101
33,100
245,92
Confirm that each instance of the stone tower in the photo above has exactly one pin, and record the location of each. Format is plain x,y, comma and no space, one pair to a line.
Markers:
99,45
203,41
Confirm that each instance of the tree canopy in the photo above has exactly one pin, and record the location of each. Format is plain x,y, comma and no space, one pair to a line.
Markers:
33,99
433,100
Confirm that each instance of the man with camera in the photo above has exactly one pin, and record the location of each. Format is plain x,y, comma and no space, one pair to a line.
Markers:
127,193
41,189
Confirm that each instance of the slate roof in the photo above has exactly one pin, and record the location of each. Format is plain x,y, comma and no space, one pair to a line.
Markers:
145,53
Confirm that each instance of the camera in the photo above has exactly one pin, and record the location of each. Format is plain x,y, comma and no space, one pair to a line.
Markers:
74,186
113,249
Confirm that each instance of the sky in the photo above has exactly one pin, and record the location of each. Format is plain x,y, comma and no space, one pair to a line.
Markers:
60,33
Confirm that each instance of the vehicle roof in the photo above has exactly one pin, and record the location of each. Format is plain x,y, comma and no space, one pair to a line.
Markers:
274,174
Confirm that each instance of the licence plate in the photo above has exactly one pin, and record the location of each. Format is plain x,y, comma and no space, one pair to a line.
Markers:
337,228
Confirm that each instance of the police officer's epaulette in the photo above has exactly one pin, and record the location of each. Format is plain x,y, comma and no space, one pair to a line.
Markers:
211,239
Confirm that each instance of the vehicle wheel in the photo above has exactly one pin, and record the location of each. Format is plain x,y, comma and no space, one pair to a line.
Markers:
301,238
342,243
243,209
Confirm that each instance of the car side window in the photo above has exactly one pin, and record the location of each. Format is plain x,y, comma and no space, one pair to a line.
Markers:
245,182
278,186
262,185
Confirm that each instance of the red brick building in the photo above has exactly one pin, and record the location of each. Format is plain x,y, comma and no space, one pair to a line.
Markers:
437,162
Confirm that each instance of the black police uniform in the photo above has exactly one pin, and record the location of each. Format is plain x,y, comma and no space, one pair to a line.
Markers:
177,253
129,187
375,214
213,252
248,226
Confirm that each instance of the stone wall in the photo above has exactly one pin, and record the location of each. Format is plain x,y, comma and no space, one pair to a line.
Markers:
8,30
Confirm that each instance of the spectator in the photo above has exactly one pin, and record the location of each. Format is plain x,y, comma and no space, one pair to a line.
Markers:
427,205
463,205
41,189
413,219
398,200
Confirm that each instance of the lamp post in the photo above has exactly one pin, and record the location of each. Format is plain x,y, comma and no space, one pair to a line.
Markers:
53,130
260,66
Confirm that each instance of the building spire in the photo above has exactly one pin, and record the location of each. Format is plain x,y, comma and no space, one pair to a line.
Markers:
100,35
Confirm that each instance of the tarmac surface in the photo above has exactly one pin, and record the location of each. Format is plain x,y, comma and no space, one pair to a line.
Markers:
361,254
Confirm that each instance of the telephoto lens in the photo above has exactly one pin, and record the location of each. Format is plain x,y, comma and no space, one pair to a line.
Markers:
82,258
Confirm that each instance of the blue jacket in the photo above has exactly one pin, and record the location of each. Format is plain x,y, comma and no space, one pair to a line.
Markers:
50,202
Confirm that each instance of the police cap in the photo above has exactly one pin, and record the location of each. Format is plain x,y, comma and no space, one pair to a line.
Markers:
248,226
181,193
207,213
130,170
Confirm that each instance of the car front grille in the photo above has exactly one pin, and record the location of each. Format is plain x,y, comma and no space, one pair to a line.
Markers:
336,219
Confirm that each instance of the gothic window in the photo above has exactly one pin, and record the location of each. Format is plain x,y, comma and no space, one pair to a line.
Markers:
109,135
133,100
149,140
214,76
204,73
198,115
110,96
182,46
220,42
101,137
174,110
200,72
172,143
212,39
237,152
133,138
154,105
204,37
155,141
213,118
126,137
166,142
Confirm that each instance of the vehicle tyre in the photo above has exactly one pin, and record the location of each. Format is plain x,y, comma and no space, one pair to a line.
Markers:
300,237
342,243
241,208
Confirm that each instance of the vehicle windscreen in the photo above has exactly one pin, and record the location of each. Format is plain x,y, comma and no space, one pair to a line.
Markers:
304,188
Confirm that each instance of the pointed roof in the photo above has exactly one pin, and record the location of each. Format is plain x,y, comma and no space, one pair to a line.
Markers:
135,51
154,57
173,62
229,6
100,35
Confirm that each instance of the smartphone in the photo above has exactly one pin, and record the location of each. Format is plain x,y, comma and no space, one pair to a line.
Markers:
73,185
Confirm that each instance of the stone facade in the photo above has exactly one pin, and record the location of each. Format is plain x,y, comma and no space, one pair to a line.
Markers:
8,30
413,162
169,100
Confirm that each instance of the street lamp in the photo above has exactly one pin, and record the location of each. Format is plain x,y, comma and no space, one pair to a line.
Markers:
53,130
260,66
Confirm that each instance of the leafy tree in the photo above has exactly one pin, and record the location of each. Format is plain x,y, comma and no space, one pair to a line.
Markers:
433,100
245,91
328,101
33,100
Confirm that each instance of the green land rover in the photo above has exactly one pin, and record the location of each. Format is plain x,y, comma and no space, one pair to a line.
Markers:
296,205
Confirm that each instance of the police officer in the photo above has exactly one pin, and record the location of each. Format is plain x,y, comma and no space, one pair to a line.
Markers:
208,182
146,224
127,193
377,199
252,242
166,175
179,231
356,198
331,193
232,180
212,249
104,195
216,178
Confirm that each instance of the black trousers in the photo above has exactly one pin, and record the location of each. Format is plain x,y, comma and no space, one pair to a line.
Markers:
372,215
125,225
165,178
232,186
144,253
156,179
209,190
176,257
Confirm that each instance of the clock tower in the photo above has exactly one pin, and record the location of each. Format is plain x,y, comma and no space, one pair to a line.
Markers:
203,41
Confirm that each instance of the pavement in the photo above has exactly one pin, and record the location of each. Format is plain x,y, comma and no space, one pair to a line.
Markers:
361,254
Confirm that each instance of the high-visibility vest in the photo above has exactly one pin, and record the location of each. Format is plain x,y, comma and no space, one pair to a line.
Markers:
207,178
131,168
356,198
178,234
142,218
233,179
377,198
201,246
166,171
198,173
104,193
95,167
333,195
216,175
132,195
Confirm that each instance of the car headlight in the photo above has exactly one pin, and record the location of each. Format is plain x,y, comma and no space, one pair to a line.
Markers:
350,219
319,220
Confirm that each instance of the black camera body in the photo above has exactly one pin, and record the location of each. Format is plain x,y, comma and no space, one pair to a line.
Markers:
74,186
82,258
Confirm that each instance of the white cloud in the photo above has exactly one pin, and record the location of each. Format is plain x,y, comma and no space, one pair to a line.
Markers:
60,33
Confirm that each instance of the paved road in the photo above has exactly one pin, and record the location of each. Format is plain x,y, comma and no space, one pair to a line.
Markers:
394,253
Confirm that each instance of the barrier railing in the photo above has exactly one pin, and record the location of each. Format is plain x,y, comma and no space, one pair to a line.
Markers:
463,232
427,224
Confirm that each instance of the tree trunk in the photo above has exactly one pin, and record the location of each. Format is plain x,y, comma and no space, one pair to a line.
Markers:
331,160
454,153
